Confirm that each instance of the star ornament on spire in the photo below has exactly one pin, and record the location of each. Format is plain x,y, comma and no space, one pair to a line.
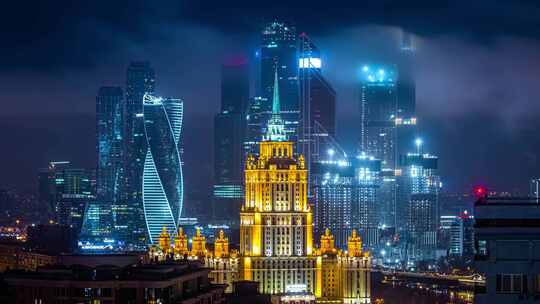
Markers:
276,127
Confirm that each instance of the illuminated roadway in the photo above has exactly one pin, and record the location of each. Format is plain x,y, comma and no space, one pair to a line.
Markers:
474,279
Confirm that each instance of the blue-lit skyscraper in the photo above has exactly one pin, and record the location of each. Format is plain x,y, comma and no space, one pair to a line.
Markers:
417,205
110,130
406,119
68,190
256,117
162,180
378,108
140,80
462,236
345,197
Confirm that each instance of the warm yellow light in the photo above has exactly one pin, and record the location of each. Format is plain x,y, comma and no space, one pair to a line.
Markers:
247,269
318,287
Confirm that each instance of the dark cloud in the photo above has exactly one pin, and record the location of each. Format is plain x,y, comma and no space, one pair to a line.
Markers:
55,34
477,66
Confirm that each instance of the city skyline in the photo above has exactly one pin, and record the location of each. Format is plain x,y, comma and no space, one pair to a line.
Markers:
344,49
273,152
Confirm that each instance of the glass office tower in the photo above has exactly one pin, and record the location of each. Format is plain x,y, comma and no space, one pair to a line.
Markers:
417,209
317,105
229,135
140,80
378,106
110,124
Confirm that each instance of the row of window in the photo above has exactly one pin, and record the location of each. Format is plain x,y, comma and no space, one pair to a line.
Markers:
517,283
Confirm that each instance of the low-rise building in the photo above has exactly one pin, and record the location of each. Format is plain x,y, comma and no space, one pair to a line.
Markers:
173,282
14,256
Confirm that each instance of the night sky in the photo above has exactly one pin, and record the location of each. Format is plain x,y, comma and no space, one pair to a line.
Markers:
477,71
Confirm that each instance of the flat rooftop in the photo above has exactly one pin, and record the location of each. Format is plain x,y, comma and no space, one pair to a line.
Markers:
506,208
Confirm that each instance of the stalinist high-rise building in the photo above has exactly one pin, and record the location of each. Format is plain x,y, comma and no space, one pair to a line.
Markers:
276,228
276,234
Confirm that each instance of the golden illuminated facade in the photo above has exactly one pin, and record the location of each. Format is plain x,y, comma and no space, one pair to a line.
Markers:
180,244
223,262
345,276
276,228
276,233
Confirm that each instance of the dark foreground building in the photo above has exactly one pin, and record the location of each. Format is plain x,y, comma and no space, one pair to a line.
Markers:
183,282
507,237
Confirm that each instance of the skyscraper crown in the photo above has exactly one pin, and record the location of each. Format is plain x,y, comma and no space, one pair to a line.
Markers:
276,127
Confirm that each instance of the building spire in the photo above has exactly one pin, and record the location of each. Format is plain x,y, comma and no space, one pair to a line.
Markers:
275,130
276,107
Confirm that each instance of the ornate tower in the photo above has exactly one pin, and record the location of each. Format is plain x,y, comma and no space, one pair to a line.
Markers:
327,243
221,245
354,245
276,221
180,243
164,241
198,244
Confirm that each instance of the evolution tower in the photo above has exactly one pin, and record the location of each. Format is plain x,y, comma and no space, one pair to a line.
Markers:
162,181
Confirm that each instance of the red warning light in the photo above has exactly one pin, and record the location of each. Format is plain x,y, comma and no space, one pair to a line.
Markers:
480,191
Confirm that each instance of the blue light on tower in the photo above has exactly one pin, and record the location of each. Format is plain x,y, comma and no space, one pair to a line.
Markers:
379,74
162,176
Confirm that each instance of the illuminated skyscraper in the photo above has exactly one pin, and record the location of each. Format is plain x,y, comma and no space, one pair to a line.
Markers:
378,109
276,229
69,191
317,104
162,188
279,52
97,233
229,130
110,130
140,80
276,233
462,236
276,222
47,182
345,197
256,117
406,119
417,210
